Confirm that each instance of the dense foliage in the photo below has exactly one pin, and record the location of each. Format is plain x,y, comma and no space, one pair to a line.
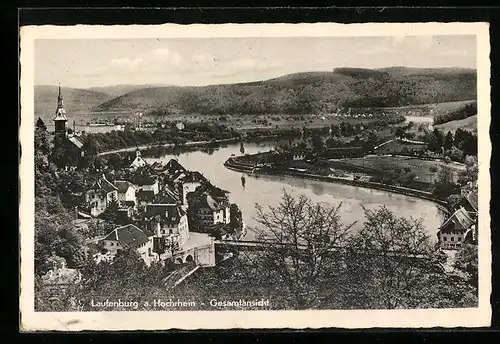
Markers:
168,134
307,92
464,112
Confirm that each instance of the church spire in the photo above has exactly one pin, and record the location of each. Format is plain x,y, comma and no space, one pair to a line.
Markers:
60,121
60,112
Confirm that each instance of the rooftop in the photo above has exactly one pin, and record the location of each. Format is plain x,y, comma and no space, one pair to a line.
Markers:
462,217
76,142
128,236
103,184
123,185
472,199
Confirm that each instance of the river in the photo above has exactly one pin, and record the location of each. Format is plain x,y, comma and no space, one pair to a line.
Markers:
267,190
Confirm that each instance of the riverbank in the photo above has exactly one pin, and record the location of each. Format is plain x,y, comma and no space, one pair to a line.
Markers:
234,165
169,145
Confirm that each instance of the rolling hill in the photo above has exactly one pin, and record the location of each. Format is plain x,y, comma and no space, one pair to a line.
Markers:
75,100
307,92
469,123
118,90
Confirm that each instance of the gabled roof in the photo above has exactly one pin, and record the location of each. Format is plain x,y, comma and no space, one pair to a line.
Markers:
168,213
173,166
140,180
472,199
123,185
193,177
103,184
128,235
214,203
462,217
169,197
76,142
145,195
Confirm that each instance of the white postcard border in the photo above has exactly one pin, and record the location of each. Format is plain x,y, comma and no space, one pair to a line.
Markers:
70,321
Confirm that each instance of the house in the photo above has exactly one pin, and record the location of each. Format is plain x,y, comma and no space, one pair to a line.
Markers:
61,275
343,152
470,202
147,183
180,126
212,210
169,197
100,195
187,182
456,228
138,161
168,220
173,239
144,197
126,191
298,154
130,236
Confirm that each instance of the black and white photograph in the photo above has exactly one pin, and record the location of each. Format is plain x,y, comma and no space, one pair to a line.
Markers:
255,174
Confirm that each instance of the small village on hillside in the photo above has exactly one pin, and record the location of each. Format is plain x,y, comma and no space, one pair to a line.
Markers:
151,202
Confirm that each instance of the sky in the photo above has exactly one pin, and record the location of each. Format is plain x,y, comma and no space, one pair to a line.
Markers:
83,63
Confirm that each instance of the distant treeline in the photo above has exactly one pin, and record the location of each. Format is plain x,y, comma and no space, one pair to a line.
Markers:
462,113
304,93
101,142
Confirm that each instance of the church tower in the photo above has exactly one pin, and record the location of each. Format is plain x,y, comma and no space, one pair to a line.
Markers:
60,121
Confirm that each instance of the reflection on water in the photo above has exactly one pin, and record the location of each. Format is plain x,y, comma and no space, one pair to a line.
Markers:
248,189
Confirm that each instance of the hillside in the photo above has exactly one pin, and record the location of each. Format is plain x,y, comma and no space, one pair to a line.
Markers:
75,100
118,90
469,123
308,92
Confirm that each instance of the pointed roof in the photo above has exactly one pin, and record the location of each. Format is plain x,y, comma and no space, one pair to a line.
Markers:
169,213
60,112
103,184
76,142
128,235
462,217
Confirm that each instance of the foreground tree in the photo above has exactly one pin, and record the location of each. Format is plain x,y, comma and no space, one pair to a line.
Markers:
393,262
304,246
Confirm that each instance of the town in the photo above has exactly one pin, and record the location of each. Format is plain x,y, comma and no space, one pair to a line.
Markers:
177,219
149,206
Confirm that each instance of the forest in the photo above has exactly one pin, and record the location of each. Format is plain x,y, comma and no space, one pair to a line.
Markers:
304,93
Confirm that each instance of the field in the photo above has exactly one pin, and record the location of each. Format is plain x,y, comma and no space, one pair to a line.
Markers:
429,109
469,123
421,167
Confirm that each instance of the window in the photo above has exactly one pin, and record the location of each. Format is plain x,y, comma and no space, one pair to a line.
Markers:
452,239
110,244
445,238
459,239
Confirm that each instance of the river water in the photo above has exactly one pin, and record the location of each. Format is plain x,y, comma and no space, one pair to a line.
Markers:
267,190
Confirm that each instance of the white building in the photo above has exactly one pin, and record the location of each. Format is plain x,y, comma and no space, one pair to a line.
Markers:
126,192
130,236
456,228
100,194
138,161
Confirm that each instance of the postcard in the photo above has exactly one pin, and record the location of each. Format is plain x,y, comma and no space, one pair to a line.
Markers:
246,176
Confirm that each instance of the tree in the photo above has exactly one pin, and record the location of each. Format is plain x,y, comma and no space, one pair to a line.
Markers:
385,269
236,219
448,141
304,242
466,261
472,168
111,213
40,124
444,184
